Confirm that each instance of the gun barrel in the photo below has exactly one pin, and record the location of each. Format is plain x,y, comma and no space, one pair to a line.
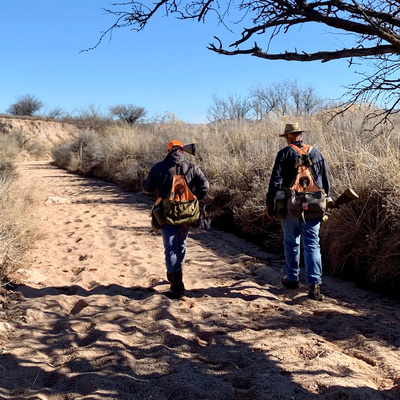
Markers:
190,148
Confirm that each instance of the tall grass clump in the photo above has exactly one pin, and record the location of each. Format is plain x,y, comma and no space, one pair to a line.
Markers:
17,230
360,241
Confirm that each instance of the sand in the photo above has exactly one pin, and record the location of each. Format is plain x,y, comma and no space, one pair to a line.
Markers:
89,320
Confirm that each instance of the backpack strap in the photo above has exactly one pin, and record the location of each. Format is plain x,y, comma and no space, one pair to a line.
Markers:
178,170
304,154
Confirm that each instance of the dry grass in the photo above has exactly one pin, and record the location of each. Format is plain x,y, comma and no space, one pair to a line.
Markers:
361,241
17,230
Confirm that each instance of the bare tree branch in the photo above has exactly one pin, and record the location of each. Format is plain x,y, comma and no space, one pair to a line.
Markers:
324,56
372,28
375,21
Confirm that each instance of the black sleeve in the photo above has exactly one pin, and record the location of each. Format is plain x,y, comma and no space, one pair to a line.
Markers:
198,183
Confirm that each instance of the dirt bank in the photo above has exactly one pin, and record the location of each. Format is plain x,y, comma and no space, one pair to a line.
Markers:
44,134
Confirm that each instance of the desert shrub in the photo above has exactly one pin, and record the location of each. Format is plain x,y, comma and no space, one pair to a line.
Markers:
17,229
61,155
80,156
9,148
128,113
24,145
25,105
8,156
89,118
360,241
126,159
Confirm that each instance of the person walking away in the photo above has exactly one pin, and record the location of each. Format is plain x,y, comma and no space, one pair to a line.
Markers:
159,182
299,223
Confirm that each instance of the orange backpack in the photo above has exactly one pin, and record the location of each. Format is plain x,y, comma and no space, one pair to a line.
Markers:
305,199
304,181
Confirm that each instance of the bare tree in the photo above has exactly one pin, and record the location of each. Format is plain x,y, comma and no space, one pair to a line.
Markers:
286,98
372,29
91,118
25,105
272,98
305,99
56,113
234,108
128,113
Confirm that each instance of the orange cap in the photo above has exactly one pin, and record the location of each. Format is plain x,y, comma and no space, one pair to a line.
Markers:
173,143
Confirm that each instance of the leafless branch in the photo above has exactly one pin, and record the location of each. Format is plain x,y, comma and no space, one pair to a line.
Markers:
324,56
373,27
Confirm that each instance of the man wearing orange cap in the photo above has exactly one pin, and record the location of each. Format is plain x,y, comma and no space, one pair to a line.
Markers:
159,182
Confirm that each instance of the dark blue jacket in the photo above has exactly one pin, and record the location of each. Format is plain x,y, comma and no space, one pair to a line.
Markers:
285,170
159,180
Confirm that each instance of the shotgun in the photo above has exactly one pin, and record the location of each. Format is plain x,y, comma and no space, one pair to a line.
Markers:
345,197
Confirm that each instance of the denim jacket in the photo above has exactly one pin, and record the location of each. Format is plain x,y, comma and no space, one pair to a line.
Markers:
285,170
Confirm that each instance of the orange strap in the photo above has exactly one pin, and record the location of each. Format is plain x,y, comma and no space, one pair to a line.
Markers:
302,151
180,190
304,181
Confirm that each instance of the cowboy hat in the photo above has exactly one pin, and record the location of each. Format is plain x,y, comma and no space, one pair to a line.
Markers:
292,128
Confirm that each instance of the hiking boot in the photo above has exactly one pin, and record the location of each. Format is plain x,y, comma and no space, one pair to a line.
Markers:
314,292
290,284
177,289
173,295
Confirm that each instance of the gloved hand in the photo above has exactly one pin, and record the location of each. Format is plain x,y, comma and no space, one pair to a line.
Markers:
329,203
270,212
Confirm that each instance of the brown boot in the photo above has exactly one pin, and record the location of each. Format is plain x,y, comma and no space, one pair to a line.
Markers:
314,292
290,284
177,289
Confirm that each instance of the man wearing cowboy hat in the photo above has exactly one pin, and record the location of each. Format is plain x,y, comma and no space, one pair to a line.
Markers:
283,175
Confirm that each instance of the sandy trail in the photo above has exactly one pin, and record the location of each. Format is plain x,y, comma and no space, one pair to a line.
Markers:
91,322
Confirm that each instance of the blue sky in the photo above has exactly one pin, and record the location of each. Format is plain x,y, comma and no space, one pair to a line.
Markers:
165,68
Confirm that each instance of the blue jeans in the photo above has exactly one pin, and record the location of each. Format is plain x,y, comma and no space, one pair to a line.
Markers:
308,230
174,237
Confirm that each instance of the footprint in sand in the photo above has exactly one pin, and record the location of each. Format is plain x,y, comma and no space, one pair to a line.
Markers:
89,339
82,327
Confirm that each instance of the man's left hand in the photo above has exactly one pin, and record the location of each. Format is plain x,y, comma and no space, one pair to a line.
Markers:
269,212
